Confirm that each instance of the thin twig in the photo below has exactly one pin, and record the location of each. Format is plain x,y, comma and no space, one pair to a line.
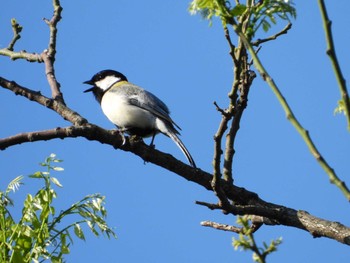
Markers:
219,109
258,42
9,50
209,205
226,117
51,77
49,54
215,183
52,23
255,248
222,227
327,24
30,57
16,28
231,45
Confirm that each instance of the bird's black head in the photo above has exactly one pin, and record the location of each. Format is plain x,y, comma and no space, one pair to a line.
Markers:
102,81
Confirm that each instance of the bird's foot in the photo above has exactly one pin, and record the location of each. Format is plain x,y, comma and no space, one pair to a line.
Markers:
121,133
152,145
152,142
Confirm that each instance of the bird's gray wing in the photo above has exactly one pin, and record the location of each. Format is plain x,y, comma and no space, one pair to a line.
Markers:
147,101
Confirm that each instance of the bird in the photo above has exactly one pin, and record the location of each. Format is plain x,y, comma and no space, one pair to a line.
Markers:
133,109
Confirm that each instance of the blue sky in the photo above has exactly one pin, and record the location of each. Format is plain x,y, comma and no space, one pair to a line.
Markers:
161,47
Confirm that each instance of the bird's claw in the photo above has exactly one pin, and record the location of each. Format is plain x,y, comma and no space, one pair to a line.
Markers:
121,133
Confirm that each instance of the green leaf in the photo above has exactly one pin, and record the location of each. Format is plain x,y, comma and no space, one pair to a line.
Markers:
14,184
65,249
266,25
23,244
43,164
64,246
45,214
57,168
36,175
92,228
238,10
340,108
52,210
17,257
42,196
78,231
55,181
55,259
97,204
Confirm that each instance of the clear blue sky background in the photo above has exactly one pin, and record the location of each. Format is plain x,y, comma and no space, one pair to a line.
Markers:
178,57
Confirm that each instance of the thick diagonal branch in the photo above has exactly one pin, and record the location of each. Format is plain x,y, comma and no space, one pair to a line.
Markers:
246,202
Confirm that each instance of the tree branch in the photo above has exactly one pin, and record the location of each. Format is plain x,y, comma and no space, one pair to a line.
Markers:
215,183
52,23
49,55
223,227
8,51
89,131
30,57
334,179
16,28
36,96
249,202
327,24
51,78
285,30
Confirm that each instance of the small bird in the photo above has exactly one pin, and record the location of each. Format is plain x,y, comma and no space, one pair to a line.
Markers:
134,110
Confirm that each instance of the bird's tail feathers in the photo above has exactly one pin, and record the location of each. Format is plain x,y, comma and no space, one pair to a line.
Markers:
169,130
182,147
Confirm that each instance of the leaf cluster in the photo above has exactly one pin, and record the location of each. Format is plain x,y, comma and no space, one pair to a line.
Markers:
39,234
259,14
246,241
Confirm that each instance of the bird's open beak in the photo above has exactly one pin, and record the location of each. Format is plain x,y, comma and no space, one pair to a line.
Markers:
89,82
88,90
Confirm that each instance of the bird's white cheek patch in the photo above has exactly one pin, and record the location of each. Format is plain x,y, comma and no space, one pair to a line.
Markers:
107,82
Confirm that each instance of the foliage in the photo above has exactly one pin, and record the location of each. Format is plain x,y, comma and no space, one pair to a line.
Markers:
260,14
246,241
39,234
340,108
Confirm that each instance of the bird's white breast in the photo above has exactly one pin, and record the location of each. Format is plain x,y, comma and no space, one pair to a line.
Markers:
117,109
